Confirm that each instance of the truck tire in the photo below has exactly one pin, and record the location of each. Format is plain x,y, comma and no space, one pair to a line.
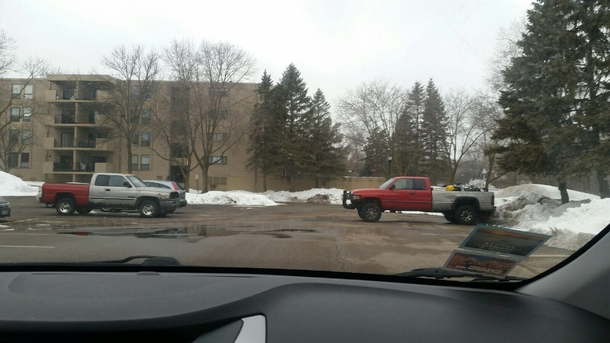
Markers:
149,209
449,216
370,212
106,209
65,206
466,215
83,211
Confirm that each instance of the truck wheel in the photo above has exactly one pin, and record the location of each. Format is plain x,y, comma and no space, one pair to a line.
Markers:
83,210
65,206
449,216
149,209
370,212
466,215
106,209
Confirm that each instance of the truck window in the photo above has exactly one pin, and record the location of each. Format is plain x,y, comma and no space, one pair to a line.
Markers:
116,181
102,180
404,184
419,185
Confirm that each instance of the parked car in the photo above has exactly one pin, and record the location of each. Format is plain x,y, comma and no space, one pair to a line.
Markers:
406,193
113,191
169,185
5,208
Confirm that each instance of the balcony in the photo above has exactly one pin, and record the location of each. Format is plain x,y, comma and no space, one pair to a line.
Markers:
99,144
79,168
82,120
69,95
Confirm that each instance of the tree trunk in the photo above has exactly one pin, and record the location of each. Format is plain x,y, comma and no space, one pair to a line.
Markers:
187,178
129,155
604,190
264,182
204,177
317,182
563,190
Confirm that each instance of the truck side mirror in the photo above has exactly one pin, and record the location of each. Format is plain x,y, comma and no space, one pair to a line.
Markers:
126,184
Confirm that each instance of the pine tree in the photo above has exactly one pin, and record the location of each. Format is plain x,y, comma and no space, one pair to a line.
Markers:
541,128
408,140
327,156
263,132
434,136
295,105
376,151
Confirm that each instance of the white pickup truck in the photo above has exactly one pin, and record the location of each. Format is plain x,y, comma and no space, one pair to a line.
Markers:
110,190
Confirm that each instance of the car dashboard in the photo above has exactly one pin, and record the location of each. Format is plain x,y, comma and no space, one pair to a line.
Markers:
204,307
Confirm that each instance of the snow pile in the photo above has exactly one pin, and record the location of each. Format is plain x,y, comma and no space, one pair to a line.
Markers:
315,195
536,208
11,185
236,198
542,191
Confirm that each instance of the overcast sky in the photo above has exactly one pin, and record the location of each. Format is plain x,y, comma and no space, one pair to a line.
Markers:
335,44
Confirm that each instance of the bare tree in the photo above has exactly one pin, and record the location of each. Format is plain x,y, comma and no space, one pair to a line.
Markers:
506,48
13,139
137,73
372,107
464,130
207,115
175,124
220,110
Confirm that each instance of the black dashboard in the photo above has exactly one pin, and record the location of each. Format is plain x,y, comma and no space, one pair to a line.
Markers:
190,307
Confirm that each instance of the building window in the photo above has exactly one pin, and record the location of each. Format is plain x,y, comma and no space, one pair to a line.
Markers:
12,160
13,137
134,116
218,114
179,150
145,116
26,137
27,114
134,162
16,92
25,160
28,91
15,114
215,181
135,138
145,162
145,139
135,91
219,91
218,159
221,136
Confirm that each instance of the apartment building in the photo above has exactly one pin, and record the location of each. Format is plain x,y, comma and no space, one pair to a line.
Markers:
58,130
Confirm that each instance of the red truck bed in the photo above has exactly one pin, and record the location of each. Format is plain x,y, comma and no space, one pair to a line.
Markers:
80,192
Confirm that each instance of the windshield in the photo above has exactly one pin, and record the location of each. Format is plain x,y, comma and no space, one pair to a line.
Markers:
272,131
386,184
136,181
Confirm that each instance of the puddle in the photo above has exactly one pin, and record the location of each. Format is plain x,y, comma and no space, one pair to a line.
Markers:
161,232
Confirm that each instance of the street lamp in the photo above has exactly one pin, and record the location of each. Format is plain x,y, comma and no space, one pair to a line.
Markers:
389,165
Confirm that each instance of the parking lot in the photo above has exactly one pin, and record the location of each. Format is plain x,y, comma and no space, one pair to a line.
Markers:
290,236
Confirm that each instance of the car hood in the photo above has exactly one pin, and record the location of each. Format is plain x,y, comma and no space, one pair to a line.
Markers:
156,190
367,190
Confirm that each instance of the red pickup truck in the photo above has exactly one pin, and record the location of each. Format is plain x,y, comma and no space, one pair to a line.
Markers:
110,190
408,193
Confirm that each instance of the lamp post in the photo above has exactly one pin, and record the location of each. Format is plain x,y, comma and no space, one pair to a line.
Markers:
389,165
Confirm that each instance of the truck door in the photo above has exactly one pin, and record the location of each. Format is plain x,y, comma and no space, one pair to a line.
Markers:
411,195
97,189
120,192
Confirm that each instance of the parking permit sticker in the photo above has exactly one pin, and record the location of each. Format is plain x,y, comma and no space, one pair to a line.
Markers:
481,264
497,240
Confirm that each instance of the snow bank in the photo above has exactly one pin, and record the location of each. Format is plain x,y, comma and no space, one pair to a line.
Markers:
542,191
315,195
11,185
536,208
236,198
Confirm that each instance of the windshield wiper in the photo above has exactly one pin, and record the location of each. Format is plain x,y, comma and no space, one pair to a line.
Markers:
149,260
440,273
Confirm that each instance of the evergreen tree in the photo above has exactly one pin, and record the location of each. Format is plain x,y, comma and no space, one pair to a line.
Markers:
434,137
295,107
408,136
327,156
376,153
542,128
264,132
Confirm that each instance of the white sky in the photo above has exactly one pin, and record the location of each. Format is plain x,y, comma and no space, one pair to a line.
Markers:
335,44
